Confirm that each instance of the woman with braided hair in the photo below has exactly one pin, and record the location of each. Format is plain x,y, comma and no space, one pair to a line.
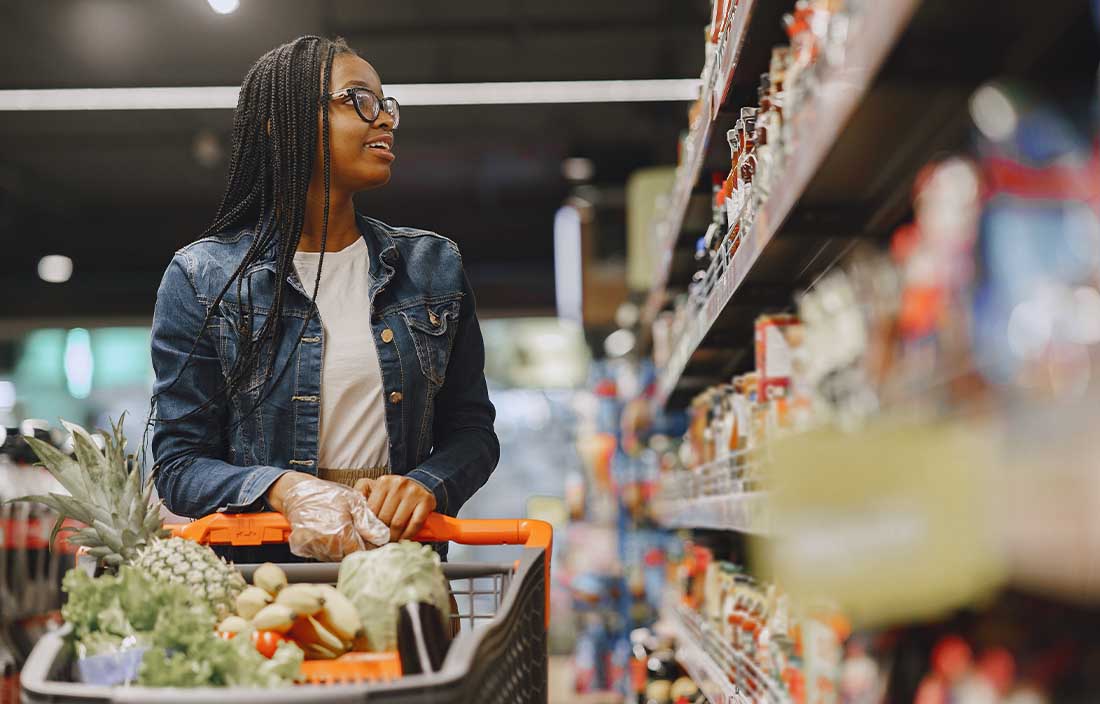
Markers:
310,359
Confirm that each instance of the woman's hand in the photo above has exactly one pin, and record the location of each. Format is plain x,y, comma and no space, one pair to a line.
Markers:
401,503
327,520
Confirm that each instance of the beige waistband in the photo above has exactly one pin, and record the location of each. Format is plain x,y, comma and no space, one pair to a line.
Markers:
350,476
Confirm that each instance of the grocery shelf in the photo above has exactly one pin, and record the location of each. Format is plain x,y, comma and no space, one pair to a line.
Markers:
744,512
875,119
831,108
723,674
718,495
715,90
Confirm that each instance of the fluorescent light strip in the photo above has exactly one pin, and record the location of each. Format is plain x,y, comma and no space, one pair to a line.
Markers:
223,97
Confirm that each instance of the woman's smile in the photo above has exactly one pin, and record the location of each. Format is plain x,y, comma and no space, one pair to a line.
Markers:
381,147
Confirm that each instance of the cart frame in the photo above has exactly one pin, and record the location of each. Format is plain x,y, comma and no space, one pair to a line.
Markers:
504,661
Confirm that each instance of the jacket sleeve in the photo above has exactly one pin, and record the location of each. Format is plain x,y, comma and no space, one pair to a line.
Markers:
466,449
190,451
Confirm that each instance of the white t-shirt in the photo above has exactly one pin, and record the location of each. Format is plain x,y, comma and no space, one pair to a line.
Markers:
353,413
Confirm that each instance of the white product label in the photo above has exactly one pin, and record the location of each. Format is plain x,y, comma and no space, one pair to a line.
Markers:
777,354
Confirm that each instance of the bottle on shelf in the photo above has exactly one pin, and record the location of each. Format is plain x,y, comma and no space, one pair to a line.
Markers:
733,202
746,170
717,200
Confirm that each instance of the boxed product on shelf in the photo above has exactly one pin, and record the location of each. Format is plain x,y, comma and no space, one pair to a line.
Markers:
777,338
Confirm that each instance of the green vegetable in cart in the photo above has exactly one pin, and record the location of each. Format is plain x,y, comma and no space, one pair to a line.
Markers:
218,662
122,523
381,581
113,612
108,610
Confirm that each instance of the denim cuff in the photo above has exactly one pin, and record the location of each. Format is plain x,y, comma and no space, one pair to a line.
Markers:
253,493
433,484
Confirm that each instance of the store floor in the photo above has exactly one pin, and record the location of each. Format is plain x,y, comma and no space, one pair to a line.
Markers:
561,685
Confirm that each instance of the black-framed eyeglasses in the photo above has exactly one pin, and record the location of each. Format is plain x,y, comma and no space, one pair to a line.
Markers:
368,104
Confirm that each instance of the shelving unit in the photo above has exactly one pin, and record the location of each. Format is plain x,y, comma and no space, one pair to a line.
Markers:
723,674
894,90
745,512
715,496
874,122
833,106
715,90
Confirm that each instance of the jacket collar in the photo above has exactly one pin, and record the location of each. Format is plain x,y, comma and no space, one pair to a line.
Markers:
382,249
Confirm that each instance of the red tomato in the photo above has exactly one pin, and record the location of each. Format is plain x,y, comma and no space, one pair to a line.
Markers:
267,641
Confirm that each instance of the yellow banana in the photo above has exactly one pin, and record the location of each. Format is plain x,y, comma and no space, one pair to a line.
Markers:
251,600
233,624
269,577
274,617
302,599
339,615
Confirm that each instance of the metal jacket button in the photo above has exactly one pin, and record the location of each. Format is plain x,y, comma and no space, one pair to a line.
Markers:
387,336
396,396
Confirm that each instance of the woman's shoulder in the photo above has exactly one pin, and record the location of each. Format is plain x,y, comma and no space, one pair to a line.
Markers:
210,260
219,244
415,240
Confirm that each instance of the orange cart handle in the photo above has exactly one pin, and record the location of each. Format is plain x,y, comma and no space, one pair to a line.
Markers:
241,529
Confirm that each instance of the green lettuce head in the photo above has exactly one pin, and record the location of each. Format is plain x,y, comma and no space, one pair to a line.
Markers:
379,582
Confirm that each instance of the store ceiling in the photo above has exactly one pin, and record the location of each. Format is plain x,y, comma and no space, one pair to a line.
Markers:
120,191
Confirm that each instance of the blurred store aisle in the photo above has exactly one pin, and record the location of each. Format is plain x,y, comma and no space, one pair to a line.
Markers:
561,685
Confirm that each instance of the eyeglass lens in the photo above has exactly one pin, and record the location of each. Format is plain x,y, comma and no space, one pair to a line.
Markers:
370,106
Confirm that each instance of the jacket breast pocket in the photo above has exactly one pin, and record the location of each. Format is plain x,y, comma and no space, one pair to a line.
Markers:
236,331
432,327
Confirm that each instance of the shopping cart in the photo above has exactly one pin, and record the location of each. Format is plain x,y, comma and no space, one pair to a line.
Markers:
499,656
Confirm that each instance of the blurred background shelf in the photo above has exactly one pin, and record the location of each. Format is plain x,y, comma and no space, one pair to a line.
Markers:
725,675
741,512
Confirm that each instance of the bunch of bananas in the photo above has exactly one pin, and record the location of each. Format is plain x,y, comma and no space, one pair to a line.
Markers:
321,620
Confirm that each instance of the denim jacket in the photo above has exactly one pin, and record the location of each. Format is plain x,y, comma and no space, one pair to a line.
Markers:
430,349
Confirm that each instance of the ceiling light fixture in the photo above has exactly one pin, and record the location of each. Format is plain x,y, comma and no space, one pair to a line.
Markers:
224,7
55,268
436,94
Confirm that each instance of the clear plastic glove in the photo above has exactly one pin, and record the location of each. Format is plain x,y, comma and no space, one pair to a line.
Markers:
329,520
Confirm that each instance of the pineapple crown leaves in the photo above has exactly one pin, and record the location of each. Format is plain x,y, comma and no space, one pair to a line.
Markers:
106,494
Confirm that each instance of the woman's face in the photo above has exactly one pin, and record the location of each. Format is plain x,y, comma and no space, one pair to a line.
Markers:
355,165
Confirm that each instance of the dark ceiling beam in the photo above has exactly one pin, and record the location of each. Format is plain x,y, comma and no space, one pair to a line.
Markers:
335,14
447,29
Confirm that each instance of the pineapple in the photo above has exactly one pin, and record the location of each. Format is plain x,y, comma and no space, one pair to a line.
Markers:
187,562
122,523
